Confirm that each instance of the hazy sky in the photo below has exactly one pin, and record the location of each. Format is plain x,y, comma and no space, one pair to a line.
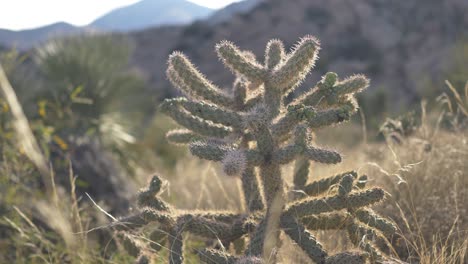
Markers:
24,14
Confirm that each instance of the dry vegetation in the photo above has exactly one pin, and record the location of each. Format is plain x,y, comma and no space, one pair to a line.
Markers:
425,173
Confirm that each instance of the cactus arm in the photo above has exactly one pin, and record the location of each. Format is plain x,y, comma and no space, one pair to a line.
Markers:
210,228
330,221
353,84
184,75
332,116
287,154
372,219
297,64
239,94
304,239
274,54
158,239
328,91
251,188
346,185
325,205
301,173
320,186
176,246
322,155
257,240
208,112
182,136
238,62
211,256
209,150
196,124
359,236
347,258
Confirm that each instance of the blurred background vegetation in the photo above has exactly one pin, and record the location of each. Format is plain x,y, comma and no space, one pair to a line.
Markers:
94,116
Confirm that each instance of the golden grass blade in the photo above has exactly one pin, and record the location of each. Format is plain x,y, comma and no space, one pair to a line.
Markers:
25,136
458,97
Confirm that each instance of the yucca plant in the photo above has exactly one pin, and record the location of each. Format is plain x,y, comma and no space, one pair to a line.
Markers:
253,132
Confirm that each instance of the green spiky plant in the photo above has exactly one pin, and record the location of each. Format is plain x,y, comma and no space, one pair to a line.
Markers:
253,132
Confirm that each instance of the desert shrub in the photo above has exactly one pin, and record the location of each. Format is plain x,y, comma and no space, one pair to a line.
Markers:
89,89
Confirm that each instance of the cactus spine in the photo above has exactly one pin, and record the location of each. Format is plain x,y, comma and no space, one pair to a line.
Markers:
252,127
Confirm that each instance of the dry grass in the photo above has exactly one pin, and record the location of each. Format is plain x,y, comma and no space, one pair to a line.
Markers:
426,177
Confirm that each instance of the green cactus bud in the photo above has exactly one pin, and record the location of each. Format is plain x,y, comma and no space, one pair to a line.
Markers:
184,75
274,54
297,64
318,187
304,239
211,256
330,221
347,258
196,124
328,204
372,219
329,79
238,62
322,155
182,136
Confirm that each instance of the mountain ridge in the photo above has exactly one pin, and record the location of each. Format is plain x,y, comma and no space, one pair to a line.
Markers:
26,39
142,15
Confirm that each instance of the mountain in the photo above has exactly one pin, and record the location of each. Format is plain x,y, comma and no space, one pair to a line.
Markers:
231,10
25,39
400,45
150,13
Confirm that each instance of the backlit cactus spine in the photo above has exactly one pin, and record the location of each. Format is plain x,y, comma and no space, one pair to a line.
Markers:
252,127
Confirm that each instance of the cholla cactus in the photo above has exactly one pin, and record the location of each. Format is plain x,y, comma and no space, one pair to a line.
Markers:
252,127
